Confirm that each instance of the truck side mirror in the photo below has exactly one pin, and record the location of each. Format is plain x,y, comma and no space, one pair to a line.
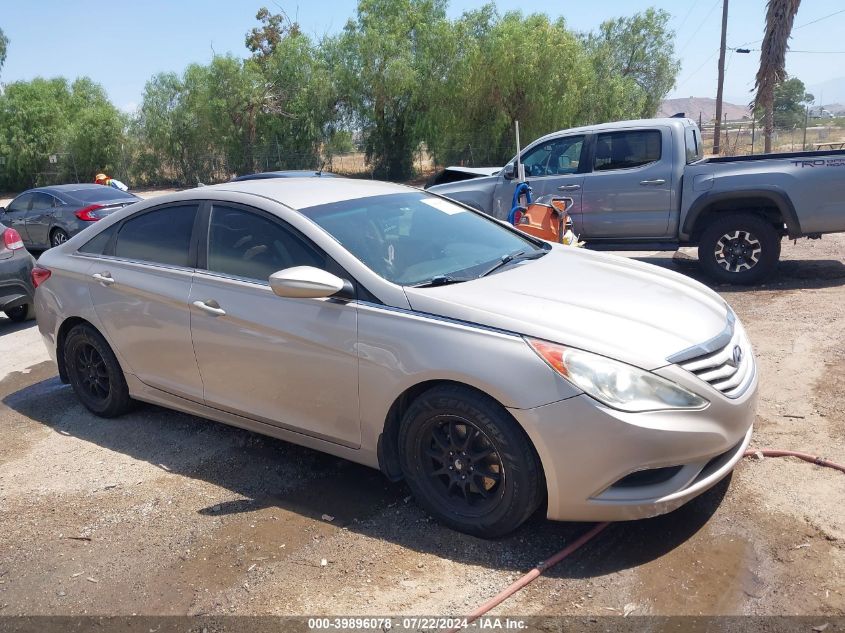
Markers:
508,172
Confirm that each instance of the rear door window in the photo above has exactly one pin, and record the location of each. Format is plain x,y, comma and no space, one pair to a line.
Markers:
161,236
245,244
693,143
42,201
626,149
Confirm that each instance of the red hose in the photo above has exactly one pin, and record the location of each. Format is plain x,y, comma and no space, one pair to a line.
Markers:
805,456
499,598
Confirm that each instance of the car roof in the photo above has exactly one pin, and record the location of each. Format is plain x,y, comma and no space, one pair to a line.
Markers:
288,173
301,193
65,188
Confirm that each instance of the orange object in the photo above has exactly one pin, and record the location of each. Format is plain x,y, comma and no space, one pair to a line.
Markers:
546,218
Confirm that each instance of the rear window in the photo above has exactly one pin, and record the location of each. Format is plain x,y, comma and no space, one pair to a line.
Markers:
162,236
101,193
624,150
693,142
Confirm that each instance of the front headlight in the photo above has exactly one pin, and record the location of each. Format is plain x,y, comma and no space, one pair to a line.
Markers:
613,383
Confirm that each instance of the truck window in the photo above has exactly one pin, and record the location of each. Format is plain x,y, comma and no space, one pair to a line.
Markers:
624,150
693,142
555,157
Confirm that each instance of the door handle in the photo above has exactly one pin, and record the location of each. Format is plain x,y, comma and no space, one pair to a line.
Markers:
569,187
656,181
104,278
210,306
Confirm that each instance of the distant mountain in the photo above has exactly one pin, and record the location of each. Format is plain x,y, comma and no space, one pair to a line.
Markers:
831,91
706,107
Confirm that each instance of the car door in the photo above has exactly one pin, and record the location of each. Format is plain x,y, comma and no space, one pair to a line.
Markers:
15,215
287,362
554,167
40,218
140,283
628,193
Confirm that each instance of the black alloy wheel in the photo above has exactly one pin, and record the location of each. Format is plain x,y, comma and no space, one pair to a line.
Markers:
468,462
94,372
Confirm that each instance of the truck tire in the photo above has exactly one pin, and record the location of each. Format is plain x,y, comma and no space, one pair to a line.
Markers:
739,248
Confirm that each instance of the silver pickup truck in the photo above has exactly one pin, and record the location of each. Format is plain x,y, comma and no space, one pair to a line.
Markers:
644,185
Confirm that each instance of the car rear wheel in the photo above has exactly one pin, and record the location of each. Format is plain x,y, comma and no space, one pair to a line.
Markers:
58,236
468,463
21,313
739,248
94,373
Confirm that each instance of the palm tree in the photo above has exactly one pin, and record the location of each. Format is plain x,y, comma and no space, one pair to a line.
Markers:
780,16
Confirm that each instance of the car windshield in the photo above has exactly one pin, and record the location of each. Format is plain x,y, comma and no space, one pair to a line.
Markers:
100,193
415,238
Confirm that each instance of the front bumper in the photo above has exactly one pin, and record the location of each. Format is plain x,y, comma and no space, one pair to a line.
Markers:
590,452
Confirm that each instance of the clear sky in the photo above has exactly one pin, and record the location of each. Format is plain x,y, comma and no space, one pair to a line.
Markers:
121,44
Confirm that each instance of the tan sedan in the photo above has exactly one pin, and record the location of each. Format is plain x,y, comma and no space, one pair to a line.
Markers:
398,329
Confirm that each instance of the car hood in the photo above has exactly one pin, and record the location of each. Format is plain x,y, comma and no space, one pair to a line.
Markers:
610,305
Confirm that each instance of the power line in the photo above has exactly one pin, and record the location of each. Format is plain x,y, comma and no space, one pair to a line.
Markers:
811,52
824,17
684,21
801,26
701,24
693,73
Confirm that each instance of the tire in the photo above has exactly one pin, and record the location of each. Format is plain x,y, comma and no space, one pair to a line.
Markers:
739,248
58,237
21,313
468,463
94,373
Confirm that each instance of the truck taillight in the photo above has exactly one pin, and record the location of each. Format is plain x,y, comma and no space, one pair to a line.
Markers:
40,275
89,213
12,239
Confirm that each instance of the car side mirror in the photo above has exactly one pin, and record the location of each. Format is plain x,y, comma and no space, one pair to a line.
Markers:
307,282
508,172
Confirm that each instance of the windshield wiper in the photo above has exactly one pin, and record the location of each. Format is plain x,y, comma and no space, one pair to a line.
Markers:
514,257
439,280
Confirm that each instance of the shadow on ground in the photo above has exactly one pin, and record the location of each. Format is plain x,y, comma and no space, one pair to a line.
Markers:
264,472
7,326
792,274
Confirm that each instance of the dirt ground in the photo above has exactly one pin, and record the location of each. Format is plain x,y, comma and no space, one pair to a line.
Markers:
162,513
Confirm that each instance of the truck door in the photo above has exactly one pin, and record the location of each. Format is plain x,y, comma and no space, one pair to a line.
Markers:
628,193
553,166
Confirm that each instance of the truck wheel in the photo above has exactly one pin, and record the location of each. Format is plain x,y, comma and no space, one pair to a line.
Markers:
739,248
468,463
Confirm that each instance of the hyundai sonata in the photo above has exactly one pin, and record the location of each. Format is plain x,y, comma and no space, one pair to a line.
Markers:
494,372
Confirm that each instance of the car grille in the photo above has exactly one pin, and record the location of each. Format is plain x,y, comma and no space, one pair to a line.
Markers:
729,369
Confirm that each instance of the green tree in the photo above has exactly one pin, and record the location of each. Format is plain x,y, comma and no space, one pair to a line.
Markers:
633,57
262,40
43,117
383,65
4,46
789,104
32,120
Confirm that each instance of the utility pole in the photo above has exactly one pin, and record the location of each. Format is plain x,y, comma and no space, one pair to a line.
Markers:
720,88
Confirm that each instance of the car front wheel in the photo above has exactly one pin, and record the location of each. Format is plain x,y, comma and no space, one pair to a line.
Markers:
468,463
94,373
